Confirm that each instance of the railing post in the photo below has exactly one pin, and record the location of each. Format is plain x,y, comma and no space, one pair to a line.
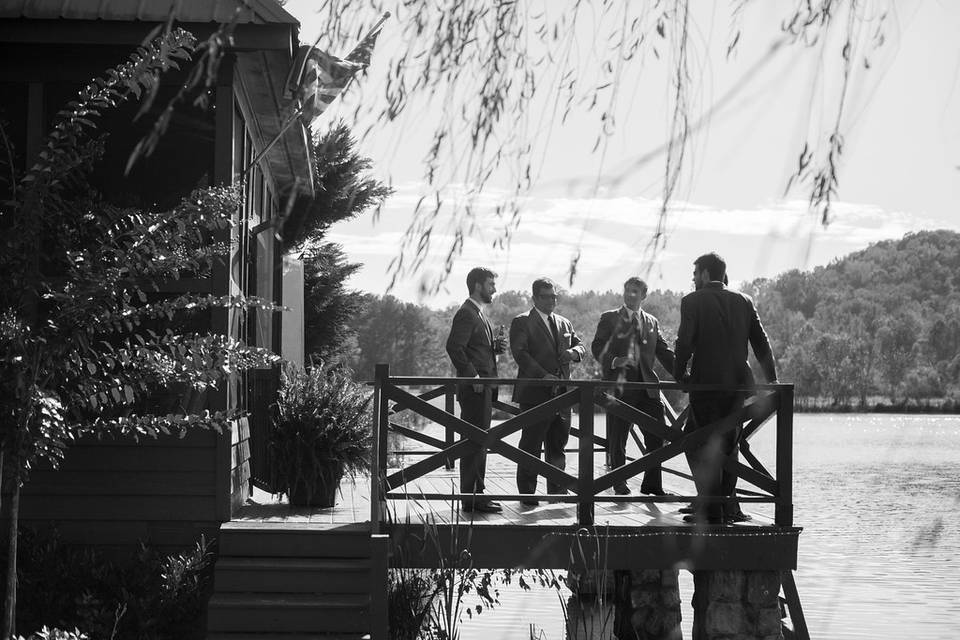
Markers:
379,586
783,513
378,457
448,437
585,449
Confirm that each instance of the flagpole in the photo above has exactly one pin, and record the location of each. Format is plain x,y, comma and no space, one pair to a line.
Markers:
293,118
383,18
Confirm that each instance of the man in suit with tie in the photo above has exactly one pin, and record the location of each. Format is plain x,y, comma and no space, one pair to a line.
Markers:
544,344
625,344
716,324
473,348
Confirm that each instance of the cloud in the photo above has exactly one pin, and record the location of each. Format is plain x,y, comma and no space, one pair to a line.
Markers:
612,237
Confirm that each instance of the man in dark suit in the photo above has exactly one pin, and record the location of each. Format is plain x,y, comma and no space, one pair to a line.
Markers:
716,324
544,344
473,348
625,344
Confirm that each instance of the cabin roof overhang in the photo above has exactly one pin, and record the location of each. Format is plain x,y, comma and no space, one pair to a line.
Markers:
264,41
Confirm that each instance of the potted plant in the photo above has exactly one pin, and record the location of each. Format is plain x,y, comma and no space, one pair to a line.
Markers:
322,429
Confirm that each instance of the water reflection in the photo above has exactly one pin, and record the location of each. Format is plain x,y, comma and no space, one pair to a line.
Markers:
877,496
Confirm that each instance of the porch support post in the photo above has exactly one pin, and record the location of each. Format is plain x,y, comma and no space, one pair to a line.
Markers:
378,457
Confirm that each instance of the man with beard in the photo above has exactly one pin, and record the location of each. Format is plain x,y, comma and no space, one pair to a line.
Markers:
473,348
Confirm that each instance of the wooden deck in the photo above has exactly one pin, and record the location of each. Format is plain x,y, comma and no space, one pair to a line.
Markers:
416,501
630,531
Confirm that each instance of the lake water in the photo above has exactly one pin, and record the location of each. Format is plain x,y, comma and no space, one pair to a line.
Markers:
878,497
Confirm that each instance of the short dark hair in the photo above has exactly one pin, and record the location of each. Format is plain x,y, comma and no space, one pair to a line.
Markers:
713,263
478,275
543,283
636,280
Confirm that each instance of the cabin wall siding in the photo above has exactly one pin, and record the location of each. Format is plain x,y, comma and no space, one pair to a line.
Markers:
117,492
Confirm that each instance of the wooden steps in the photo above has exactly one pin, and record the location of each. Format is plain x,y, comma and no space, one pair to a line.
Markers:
293,575
292,581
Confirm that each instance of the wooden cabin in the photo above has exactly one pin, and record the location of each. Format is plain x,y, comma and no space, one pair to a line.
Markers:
114,493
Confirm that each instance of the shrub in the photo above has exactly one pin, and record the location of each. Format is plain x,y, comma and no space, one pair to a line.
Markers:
322,429
56,634
149,596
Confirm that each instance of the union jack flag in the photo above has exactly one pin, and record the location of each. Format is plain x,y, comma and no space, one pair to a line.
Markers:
319,77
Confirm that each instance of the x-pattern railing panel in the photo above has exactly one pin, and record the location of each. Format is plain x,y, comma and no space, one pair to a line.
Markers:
590,396
473,438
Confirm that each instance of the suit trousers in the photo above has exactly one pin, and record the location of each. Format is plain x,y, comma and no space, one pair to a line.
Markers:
475,408
706,462
618,431
550,437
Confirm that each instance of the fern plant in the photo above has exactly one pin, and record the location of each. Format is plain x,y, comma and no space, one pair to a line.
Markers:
322,429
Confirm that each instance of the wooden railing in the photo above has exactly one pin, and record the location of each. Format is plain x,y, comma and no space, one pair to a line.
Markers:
585,397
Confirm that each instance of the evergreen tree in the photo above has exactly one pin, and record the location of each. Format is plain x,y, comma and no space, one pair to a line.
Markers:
344,190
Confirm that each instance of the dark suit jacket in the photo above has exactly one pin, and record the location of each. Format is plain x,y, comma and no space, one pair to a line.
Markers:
715,326
616,336
537,355
470,346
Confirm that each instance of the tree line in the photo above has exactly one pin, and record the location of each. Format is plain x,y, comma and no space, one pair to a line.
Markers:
879,326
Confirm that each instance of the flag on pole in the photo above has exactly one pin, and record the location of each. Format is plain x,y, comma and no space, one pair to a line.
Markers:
317,78
323,78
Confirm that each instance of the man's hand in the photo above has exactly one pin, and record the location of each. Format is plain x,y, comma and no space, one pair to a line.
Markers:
623,361
568,355
500,345
550,376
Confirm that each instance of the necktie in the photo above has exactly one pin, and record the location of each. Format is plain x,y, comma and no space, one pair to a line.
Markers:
486,324
554,331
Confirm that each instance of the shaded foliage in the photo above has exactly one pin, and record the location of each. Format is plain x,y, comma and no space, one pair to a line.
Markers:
88,342
146,596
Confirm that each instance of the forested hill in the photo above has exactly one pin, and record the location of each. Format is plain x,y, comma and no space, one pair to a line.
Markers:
879,325
884,321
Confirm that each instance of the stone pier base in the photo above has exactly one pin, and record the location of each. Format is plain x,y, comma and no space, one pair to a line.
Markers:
736,605
647,605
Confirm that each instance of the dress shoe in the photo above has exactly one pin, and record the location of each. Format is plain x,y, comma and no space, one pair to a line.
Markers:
739,516
687,509
621,490
655,492
530,503
488,506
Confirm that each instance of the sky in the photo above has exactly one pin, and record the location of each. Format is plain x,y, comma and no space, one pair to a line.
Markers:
899,172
